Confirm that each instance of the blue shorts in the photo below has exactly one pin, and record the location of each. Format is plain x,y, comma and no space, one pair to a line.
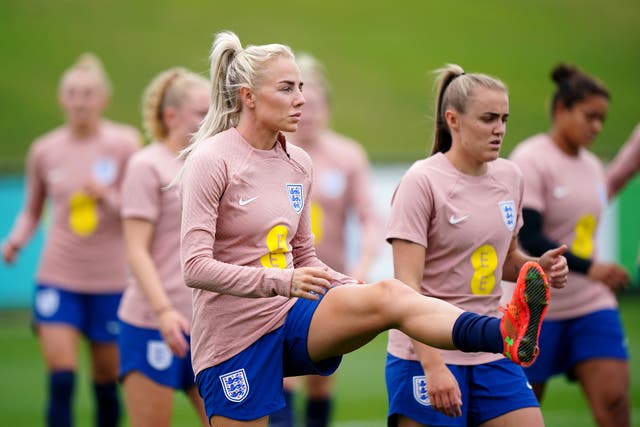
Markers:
143,350
488,391
564,343
249,385
94,315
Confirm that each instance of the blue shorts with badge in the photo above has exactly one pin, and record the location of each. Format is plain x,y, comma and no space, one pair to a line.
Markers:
564,343
143,350
249,385
488,391
94,315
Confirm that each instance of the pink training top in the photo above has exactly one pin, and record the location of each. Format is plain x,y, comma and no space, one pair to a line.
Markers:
341,182
145,196
624,165
570,194
84,249
245,226
466,223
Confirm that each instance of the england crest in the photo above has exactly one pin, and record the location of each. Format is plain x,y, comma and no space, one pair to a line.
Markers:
508,211
420,390
105,170
235,385
159,355
296,197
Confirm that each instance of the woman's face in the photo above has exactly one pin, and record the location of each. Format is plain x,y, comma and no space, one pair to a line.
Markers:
278,96
83,97
184,120
315,114
581,124
480,130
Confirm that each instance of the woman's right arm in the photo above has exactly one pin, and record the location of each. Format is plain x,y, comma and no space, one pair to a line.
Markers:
27,220
443,389
625,165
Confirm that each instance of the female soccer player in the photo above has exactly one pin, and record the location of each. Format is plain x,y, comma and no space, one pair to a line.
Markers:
341,186
156,307
265,307
565,193
78,167
453,227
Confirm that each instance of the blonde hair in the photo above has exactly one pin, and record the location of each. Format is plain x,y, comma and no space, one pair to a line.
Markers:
232,68
167,89
313,72
454,88
89,63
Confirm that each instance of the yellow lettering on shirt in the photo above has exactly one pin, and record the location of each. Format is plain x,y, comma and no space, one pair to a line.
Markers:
276,241
83,214
582,245
317,222
484,261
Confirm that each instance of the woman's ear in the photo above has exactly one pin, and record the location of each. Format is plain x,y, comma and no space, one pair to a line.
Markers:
453,119
169,116
247,97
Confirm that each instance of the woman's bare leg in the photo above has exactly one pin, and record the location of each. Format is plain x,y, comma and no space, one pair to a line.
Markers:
350,316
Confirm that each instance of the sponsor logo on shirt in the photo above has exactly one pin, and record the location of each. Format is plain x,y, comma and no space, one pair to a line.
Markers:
420,390
333,183
235,385
296,196
508,211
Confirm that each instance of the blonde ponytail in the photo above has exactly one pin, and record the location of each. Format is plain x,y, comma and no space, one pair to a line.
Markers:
167,89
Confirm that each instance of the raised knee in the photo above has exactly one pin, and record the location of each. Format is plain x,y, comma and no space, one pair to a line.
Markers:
394,291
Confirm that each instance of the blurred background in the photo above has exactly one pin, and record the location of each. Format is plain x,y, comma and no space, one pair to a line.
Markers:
379,58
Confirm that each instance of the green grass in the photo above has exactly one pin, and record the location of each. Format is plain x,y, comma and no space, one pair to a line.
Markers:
361,392
378,55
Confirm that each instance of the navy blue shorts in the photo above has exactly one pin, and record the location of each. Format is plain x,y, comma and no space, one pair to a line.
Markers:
564,343
94,315
249,385
488,391
143,350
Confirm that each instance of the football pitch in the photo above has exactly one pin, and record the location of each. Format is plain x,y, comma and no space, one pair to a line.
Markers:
361,399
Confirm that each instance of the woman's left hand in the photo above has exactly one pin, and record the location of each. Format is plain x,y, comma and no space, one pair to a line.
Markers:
310,282
555,266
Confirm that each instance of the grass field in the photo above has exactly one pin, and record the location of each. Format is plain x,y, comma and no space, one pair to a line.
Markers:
378,55
361,398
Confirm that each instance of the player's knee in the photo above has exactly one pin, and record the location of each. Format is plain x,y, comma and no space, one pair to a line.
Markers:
392,290
612,406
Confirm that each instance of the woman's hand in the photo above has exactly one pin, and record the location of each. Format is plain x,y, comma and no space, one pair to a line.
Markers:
9,252
612,275
555,266
173,328
310,282
444,391
95,190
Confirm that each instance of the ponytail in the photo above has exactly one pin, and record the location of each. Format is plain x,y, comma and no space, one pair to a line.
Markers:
454,88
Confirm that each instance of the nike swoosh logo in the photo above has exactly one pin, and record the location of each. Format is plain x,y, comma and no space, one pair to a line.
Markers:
242,202
454,220
560,192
